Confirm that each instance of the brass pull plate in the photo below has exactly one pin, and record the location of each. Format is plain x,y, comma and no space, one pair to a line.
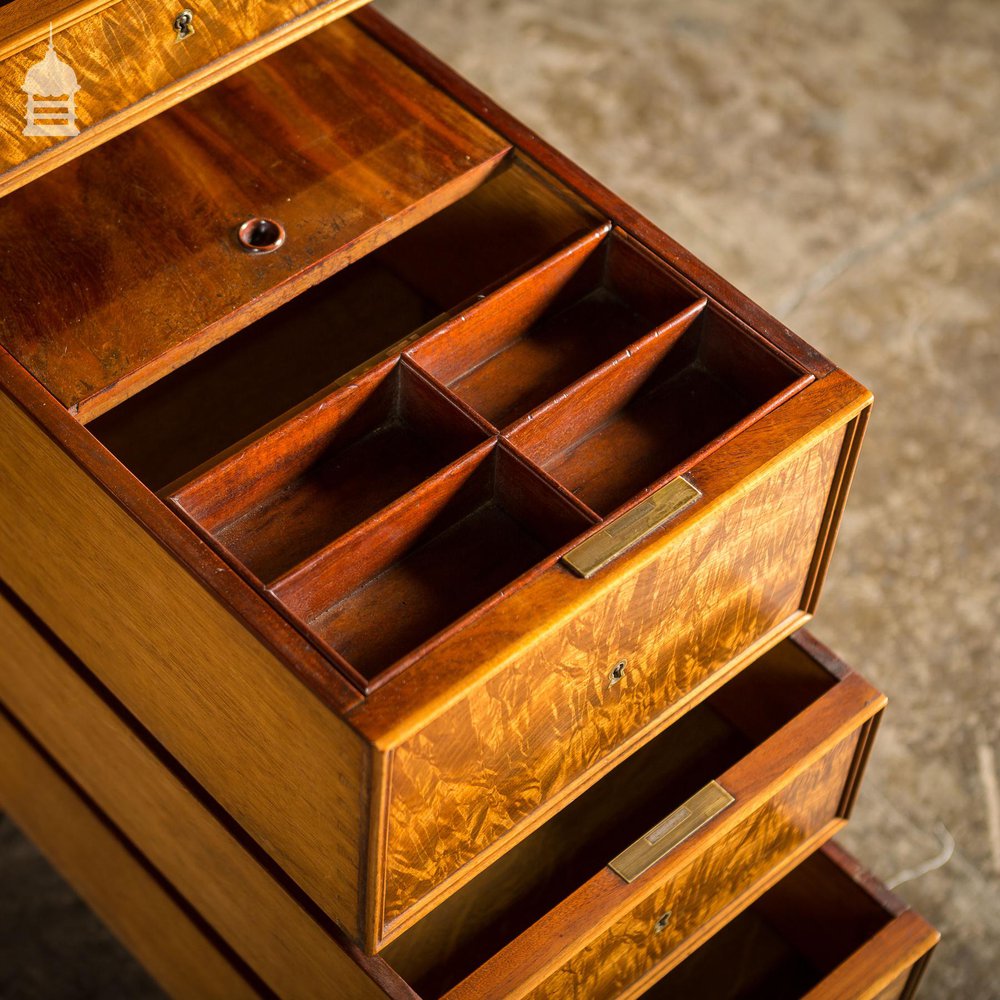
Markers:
632,526
674,830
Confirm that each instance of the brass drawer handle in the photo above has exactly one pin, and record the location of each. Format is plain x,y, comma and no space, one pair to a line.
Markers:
657,843
631,527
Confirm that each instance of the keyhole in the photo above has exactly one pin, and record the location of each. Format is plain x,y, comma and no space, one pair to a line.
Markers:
184,25
661,925
618,671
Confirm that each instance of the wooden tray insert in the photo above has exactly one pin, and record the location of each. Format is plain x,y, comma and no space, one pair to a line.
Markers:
543,870
548,328
377,595
348,322
654,409
620,377
322,473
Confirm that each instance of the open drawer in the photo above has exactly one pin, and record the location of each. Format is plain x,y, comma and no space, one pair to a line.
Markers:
423,522
827,931
660,851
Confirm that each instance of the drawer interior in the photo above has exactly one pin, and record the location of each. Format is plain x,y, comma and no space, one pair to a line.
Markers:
377,594
544,869
500,353
138,268
786,943
550,327
345,324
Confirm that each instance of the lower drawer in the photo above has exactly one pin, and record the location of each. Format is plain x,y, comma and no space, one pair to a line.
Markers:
827,931
696,824
644,865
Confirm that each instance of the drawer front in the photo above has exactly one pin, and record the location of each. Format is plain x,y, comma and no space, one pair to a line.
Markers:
536,730
696,824
179,831
126,52
828,930
724,878
170,941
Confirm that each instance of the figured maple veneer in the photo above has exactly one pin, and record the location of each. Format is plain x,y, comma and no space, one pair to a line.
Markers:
136,268
157,928
550,919
826,931
130,64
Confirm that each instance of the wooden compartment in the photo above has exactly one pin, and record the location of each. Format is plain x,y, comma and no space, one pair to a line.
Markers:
466,537
827,931
543,331
651,411
293,491
749,781
329,334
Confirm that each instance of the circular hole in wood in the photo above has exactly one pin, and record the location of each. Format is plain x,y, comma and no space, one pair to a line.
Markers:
261,235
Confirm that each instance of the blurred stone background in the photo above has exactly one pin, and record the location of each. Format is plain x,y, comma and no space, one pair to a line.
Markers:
840,163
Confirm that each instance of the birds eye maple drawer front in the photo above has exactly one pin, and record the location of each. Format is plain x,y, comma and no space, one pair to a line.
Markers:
826,931
406,532
73,74
637,870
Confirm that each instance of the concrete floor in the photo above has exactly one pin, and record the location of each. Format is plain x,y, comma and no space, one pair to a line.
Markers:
841,164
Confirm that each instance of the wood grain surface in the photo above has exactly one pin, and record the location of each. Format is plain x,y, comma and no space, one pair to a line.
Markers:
182,833
137,268
826,931
529,734
150,921
130,65
820,742
214,695
726,874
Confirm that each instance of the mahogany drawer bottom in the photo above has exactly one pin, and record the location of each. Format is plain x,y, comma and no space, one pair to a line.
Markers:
827,931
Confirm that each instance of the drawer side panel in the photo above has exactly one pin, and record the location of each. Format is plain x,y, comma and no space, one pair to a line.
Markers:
181,834
288,770
163,936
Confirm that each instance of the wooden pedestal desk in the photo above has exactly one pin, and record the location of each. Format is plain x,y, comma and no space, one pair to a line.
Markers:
400,541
